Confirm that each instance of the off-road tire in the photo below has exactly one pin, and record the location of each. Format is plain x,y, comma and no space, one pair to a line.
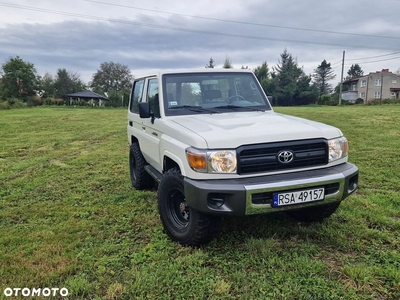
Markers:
314,214
182,223
139,177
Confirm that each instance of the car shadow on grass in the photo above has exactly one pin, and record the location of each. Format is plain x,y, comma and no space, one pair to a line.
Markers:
279,227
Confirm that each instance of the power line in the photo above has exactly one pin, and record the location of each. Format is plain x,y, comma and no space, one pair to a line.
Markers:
368,62
362,58
243,22
338,62
166,27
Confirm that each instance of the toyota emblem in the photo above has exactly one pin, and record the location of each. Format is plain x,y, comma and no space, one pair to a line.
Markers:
285,156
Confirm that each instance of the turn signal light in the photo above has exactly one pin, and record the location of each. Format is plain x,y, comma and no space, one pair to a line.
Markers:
197,161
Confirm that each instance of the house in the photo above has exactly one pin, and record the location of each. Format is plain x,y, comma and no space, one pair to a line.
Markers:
377,85
92,98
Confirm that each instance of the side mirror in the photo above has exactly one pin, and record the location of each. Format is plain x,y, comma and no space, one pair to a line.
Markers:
144,110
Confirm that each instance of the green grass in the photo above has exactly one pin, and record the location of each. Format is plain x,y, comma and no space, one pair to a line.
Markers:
69,218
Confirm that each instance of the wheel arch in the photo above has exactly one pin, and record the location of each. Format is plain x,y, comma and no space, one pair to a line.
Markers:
134,139
172,161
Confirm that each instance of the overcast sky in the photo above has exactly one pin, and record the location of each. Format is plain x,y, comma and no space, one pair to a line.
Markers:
148,35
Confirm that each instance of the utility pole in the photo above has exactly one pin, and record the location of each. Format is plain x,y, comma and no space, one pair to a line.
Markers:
341,81
380,101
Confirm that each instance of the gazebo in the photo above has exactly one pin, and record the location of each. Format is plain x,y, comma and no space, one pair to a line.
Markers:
86,95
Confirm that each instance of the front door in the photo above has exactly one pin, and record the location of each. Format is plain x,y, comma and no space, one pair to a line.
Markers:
151,136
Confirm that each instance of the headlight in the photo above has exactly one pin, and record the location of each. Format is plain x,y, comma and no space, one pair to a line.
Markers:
215,161
338,148
223,161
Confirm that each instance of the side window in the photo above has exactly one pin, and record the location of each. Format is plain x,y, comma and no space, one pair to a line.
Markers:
136,97
153,98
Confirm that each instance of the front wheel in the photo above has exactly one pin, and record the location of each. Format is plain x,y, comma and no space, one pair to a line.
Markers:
314,214
182,223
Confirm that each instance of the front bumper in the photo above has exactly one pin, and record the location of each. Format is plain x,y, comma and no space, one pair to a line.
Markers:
253,195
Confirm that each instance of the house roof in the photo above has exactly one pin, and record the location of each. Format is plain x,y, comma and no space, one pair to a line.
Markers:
87,94
350,80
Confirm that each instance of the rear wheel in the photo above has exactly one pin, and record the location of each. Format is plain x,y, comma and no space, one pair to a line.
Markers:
314,214
139,177
182,223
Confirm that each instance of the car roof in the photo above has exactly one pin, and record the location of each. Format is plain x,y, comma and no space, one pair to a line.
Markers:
188,71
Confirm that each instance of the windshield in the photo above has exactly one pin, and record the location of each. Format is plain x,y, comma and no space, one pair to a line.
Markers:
196,93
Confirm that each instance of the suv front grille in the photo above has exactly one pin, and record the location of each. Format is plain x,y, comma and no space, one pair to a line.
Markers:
264,157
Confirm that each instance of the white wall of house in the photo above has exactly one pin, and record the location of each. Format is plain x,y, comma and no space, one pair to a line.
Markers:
351,96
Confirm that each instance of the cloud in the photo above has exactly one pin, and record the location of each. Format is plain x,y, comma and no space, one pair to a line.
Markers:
146,39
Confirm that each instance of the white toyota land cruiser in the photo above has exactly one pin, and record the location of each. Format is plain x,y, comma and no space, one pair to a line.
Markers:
214,145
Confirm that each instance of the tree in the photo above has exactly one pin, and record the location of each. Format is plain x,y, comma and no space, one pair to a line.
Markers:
355,71
67,82
19,79
227,63
111,78
46,84
287,75
210,63
322,74
261,72
288,84
307,93
263,76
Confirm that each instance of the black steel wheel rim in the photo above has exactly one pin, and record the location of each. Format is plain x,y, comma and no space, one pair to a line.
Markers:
179,213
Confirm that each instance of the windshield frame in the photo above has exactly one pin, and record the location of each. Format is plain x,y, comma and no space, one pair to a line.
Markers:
210,76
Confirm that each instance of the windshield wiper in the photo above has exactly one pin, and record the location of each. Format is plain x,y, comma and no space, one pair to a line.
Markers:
194,108
240,107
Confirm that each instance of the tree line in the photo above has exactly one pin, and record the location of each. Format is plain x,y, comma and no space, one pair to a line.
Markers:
286,83
19,82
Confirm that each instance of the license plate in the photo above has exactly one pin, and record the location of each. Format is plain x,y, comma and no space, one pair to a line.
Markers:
298,197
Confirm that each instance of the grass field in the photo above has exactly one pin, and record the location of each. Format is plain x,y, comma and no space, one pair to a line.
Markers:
69,218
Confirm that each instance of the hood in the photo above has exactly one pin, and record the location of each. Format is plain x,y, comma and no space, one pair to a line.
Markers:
231,130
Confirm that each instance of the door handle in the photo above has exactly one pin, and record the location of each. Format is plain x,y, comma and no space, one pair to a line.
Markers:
144,128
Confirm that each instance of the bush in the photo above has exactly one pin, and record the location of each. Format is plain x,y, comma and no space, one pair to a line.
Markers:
345,102
391,101
34,101
359,101
324,99
374,102
16,103
12,103
4,105
331,102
